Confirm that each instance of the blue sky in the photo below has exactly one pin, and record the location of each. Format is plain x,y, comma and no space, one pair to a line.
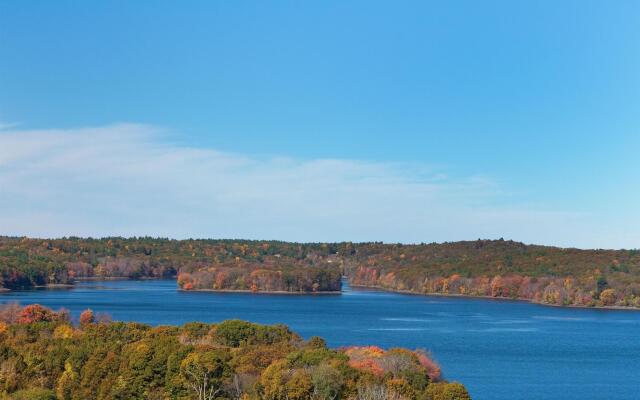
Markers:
419,121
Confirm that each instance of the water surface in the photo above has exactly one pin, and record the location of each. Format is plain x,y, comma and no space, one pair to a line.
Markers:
498,349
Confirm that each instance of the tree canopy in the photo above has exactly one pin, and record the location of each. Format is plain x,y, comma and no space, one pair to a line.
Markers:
47,357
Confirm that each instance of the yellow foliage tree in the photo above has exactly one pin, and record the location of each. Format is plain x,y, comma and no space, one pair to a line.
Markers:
608,297
63,332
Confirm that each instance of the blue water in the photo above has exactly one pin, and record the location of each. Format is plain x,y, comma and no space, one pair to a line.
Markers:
498,349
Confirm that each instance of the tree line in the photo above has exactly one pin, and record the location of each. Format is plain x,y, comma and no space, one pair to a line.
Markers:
494,268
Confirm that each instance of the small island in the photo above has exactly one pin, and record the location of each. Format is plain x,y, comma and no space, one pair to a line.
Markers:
268,276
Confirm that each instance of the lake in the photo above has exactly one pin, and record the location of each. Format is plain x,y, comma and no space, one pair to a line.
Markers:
498,349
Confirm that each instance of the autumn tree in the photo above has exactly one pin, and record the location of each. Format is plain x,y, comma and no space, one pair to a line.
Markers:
87,317
38,313
608,297
66,382
448,391
282,382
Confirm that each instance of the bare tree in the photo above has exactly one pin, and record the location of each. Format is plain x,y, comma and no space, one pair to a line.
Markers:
372,392
202,373
9,312
239,384
378,392
396,362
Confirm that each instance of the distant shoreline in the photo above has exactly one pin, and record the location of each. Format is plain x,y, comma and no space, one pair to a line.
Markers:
518,299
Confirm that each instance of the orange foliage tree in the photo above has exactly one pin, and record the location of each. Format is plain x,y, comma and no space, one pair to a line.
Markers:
38,313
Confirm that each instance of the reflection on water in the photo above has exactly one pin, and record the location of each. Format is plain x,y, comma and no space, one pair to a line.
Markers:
499,349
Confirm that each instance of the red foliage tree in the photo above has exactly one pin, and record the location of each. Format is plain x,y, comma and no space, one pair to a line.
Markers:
87,317
37,313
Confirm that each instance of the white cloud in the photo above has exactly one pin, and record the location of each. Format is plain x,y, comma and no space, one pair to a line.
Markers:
130,179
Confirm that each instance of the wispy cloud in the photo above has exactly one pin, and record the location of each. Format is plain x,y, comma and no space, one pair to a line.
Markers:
7,125
130,179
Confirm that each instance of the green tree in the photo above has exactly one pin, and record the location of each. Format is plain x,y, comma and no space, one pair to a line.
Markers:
234,332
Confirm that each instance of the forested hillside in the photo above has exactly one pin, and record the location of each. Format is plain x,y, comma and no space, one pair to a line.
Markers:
506,269
44,356
494,268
